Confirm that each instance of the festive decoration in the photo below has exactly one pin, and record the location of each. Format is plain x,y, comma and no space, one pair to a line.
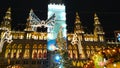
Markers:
5,37
62,53
105,58
35,22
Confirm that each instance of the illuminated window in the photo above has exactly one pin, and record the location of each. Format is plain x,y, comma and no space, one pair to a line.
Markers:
21,37
101,38
88,51
19,51
44,54
40,46
70,54
69,47
35,46
13,52
34,54
75,54
27,52
29,35
45,47
7,53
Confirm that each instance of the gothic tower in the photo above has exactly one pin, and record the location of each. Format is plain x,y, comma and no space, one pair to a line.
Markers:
78,29
6,23
29,20
98,30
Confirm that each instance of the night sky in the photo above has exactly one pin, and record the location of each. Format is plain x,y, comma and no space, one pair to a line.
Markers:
107,10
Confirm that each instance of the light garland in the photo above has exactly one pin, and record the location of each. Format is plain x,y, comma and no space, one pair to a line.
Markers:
6,37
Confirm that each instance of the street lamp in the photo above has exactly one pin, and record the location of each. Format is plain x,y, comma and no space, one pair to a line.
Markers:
5,37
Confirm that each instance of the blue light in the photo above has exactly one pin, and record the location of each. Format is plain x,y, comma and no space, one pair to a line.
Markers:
118,36
51,45
57,58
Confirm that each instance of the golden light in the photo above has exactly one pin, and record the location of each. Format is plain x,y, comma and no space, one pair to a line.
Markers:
108,51
114,50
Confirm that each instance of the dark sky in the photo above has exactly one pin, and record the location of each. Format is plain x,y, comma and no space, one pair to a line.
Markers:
107,10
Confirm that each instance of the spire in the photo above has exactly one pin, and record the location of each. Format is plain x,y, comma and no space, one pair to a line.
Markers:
28,24
77,20
96,19
6,23
98,28
78,27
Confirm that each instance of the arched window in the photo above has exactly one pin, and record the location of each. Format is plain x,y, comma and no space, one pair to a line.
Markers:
35,46
69,47
40,52
27,52
44,54
34,52
70,51
70,54
39,46
88,51
19,51
75,54
45,46
40,55
8,50
13,53
92,50
74,47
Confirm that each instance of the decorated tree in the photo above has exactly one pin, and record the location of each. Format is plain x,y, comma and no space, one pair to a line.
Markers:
61,43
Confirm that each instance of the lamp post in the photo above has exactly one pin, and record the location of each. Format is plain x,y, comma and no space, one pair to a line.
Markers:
5,37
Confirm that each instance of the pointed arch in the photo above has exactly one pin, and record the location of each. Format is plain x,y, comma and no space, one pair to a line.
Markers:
44,54
27,46
88,51
75,54
69,47
27,51
13,52
40,54
70,54
34,54
75,47
35,46
19,51
8,51
39,46
45,47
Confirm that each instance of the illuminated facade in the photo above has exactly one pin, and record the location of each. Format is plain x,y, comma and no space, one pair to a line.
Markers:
29,48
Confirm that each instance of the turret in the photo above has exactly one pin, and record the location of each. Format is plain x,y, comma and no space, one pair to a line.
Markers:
78,28
6,23
29,21
98,30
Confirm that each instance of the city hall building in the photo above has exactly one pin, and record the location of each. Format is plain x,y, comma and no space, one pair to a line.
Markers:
29,48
